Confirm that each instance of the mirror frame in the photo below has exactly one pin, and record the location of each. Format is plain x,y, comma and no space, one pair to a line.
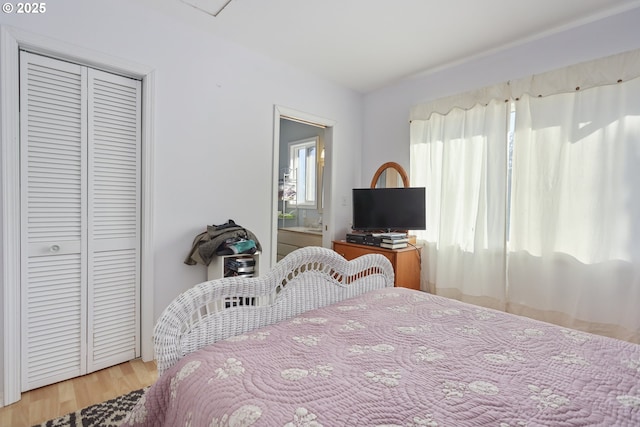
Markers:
390,165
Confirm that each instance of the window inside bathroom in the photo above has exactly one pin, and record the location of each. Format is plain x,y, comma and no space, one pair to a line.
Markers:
303,161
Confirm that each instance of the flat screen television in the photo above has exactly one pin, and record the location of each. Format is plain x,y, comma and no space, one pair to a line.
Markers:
389,209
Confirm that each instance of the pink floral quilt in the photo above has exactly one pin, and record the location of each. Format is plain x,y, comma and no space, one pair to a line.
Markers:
397,357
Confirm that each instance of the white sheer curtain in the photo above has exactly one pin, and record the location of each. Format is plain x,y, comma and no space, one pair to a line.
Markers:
573,229
461,159
575,216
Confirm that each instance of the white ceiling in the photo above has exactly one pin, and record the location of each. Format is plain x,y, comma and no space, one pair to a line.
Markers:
367,44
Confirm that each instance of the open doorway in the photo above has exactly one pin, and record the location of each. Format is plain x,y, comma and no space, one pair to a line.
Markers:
302,181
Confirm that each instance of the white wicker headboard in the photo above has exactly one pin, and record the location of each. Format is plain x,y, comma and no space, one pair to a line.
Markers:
306,279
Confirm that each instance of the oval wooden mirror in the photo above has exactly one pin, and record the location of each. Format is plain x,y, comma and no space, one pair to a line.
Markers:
390,175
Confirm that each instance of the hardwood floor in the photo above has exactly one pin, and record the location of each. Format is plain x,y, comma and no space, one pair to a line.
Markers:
42,404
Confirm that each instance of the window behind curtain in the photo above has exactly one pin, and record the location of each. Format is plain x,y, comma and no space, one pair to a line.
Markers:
572,200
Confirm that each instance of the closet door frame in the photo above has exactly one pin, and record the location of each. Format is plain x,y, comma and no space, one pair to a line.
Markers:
12,40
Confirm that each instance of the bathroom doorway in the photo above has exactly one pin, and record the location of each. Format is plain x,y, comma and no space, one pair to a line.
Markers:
302,146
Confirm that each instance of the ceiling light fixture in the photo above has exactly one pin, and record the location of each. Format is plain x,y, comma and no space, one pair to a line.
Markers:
211,7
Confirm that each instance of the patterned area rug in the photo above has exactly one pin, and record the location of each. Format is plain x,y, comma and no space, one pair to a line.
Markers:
106,414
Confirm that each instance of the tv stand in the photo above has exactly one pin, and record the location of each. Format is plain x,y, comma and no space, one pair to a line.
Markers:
405,261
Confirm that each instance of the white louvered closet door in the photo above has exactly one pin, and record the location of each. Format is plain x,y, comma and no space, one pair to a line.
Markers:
114,219
80,219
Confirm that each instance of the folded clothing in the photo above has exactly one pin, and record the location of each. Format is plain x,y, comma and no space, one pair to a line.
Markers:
237,246
210,243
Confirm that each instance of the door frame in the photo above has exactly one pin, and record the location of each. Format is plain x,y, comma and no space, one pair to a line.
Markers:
12,40
281,112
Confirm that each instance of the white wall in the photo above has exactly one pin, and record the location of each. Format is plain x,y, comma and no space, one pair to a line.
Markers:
213,123
386,117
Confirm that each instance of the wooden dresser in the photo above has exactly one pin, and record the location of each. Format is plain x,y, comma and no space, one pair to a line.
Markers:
406,261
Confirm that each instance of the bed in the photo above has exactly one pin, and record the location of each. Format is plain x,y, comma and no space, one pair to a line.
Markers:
321,341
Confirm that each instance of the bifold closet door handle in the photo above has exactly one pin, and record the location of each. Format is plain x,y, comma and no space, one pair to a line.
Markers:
54,248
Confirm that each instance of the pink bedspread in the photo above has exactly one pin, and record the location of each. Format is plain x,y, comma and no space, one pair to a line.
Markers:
397,357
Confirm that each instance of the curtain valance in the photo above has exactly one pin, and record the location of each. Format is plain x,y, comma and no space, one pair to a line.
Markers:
464,101
604,71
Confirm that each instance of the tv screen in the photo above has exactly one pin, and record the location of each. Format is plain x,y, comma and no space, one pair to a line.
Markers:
389,209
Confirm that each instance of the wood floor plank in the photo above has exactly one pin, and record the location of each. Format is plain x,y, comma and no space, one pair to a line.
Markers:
65,391
83,396
42,404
